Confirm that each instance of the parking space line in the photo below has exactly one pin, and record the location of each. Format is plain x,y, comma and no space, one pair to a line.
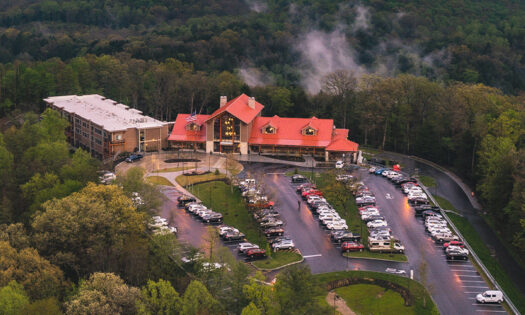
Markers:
472,281
473,286
472,292
489,311
463,270
469,276
497,305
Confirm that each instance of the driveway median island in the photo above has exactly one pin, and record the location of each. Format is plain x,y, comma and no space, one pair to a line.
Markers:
220,196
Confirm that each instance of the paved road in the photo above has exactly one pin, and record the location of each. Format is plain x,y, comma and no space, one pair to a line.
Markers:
449,189
454,284
309,236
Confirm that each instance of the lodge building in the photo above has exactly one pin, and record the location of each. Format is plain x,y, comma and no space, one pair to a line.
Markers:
106,128
238,127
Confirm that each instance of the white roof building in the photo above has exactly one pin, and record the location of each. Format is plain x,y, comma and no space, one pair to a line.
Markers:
110,115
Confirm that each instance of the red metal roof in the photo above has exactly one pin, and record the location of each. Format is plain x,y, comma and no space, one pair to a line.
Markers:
179,132
340,143
289,131
239,108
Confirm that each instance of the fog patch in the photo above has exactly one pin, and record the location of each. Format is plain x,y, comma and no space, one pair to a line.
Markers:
254,77
257,5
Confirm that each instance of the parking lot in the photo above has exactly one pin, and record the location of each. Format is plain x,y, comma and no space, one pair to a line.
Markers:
453,284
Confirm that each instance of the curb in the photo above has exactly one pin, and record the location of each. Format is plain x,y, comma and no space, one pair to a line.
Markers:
379,259
280,267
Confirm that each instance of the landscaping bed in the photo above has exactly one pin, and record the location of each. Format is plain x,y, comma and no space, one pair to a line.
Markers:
185,180
278,259
373,299
158,180
382,256
417,296
181,160
227,200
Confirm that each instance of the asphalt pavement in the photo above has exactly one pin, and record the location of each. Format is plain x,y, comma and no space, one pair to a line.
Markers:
453,285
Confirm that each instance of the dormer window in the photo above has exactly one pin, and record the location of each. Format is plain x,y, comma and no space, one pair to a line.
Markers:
269,130
309,131
193,127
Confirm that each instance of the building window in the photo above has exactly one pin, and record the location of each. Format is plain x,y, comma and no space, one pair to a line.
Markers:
118,137
84,124
98,142
85,135
98,131
193,127
77,130
309,131
77,121
269,130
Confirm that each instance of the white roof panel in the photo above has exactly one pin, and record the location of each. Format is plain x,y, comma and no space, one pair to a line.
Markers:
104,112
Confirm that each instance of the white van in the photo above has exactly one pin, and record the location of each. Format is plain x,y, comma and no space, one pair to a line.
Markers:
384,246
490,296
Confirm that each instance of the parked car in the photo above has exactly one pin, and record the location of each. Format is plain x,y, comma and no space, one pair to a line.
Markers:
337,225
298,178
107,178
284,244
490,296
352,247
339,164
385,246
255,253
372,169
343,178
223,229
214,217
233,236
456,252
376,223
184,199
453,243
134,157
445,238
274,232
243,247
271,223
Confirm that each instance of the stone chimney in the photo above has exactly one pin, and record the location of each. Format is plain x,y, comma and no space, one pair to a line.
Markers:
224,100
251,102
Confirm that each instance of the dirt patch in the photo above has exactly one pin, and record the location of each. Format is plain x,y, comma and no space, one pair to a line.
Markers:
339,303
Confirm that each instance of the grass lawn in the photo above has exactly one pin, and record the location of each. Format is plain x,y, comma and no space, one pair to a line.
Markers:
423,303
444,203
184,180
172,169
384,256
158,180
277,259
427,181
490,262
219,196
373,299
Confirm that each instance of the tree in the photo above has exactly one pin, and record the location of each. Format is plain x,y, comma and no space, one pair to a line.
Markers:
49,306
295,290
251,309
261,295
103,293
15,234
159,298
88,230
39,277
133,183
13,299
197,300
341,85
82,168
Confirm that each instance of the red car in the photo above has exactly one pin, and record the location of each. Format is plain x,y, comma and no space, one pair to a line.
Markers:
311,192
454,243
352,247
304,187
256,253
366,208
